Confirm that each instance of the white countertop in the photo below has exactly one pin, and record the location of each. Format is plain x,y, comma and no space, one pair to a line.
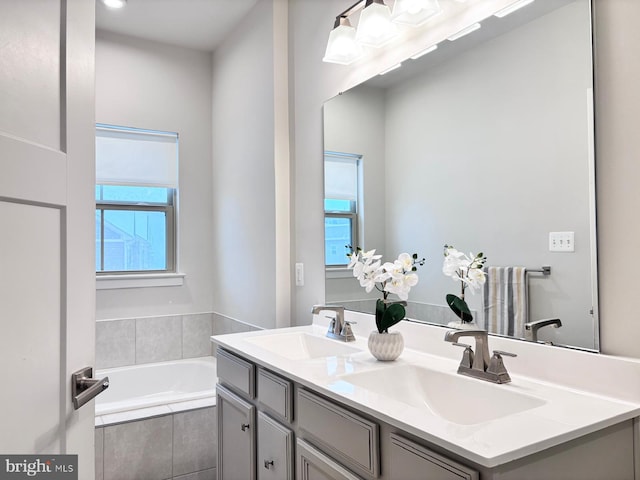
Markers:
566,414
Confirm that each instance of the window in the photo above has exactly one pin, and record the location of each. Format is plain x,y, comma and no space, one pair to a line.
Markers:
136,192
340,206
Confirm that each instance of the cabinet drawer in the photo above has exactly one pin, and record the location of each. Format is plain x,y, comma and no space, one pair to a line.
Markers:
411,461
236,373
276,394
344,435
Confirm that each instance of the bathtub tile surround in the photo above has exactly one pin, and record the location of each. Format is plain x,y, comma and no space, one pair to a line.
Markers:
138,450
158,339
175,446
99,453
132,341
115,343
203,475
223,324
196,330
194,433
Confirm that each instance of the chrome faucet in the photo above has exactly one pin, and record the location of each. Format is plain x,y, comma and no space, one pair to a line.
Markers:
339,329
478,364
531,328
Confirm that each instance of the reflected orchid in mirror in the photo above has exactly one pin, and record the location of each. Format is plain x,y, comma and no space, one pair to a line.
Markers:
397,277
468,270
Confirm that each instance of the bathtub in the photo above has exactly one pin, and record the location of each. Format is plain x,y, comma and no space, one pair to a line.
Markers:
154,384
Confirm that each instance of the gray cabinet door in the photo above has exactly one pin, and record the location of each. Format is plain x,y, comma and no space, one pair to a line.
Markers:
275,450
236,437
411,461
312,464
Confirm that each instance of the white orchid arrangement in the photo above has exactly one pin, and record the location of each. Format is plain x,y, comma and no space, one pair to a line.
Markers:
468,270
395,277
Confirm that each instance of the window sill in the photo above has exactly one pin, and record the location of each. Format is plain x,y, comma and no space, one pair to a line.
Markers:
338,272
139,280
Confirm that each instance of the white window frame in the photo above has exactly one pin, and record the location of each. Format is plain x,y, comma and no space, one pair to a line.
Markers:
353,214
143,278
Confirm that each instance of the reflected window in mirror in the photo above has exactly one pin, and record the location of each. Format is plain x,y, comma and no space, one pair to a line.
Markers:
340,206
487,143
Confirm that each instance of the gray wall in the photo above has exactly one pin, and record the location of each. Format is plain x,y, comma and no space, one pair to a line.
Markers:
251,239
150,85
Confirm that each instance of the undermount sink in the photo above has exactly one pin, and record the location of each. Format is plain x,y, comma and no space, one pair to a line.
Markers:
301,346
453,397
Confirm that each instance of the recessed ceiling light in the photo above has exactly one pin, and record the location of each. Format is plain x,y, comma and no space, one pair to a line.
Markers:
114,3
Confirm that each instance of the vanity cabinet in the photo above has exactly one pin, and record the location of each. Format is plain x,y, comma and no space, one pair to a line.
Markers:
254,407
346,436
270,427
237,440
312,464
411,461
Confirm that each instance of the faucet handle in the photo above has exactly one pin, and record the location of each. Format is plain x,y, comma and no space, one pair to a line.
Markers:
347,332
332,325
497,368
467,355
506,354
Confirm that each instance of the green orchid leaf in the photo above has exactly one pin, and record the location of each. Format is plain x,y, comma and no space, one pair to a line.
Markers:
459,307
380,308
394,314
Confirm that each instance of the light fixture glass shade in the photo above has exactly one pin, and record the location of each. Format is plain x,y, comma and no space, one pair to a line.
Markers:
376,28
415,12
342,47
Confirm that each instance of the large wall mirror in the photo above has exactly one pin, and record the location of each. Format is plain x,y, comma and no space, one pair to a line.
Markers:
485,144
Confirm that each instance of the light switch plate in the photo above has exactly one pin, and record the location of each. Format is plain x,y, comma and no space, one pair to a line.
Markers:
561,241
299,274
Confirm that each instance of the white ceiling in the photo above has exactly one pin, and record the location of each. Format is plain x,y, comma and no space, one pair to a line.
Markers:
198,24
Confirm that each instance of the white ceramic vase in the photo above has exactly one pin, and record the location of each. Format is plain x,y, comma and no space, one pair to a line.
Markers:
386,346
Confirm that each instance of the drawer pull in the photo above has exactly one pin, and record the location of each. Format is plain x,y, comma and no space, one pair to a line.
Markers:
244,427
268,463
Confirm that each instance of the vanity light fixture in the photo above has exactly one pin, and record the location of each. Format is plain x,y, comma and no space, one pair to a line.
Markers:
465,31
415,12
375,28
342,47
114,3
424,52
396,66
512,8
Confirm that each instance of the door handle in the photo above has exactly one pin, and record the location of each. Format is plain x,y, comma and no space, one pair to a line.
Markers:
84,387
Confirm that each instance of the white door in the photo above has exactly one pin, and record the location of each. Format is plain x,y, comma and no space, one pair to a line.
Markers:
47,291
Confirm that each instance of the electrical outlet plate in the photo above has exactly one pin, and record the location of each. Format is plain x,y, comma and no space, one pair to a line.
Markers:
561,241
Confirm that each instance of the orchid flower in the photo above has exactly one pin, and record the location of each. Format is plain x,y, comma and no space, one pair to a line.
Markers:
468,270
